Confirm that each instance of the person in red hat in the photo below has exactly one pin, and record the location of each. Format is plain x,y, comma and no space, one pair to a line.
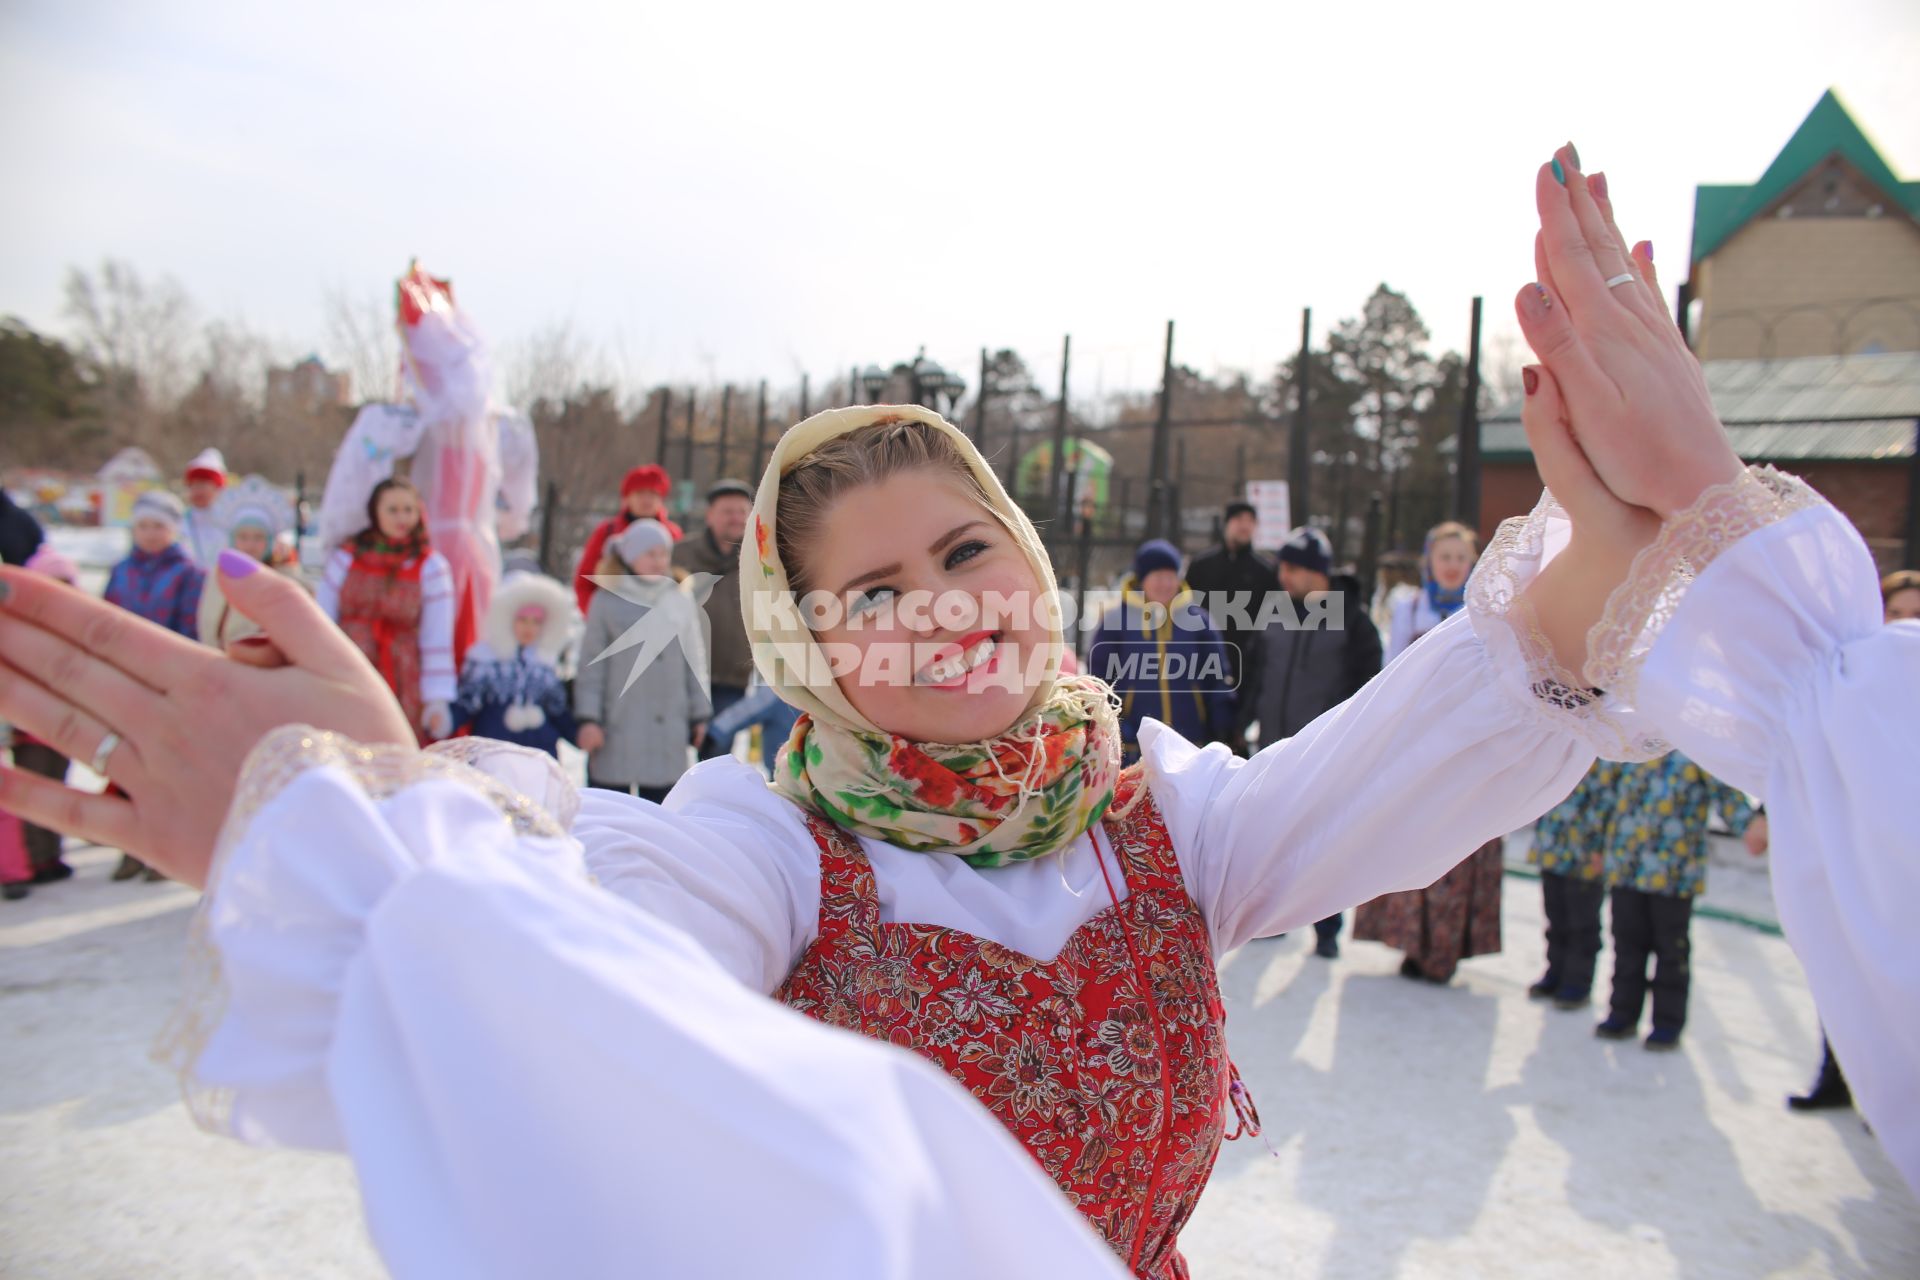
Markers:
643,496
201,536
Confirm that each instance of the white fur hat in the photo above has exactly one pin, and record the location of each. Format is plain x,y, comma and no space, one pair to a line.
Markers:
517,591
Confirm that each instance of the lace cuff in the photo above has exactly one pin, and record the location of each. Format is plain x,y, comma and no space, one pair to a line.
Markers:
524,787
1506,623
1600,704
1640,608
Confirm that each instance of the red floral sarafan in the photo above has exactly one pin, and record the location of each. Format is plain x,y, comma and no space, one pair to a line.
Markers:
1109,1062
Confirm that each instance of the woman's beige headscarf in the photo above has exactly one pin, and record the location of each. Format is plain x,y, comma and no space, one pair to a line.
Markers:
1021,795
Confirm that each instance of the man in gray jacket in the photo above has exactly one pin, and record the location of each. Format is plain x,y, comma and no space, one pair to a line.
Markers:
716,550
1319,655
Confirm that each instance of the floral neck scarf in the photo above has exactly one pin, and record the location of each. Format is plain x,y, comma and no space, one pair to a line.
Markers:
372,551
1025,794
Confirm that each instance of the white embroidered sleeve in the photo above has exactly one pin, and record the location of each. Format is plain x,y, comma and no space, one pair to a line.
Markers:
332,579
437,676
1776,673
531,1075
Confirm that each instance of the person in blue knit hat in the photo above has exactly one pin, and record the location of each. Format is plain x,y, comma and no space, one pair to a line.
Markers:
1162,654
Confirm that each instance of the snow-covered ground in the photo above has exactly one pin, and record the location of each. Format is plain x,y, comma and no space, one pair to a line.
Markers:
1420,1132
94,551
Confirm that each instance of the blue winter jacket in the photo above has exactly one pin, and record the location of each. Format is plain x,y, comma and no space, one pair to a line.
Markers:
1177,671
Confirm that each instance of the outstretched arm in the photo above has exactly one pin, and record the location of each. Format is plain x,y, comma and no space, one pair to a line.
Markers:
588,1077
1755,614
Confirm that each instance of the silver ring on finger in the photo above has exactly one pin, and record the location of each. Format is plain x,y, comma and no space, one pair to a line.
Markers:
1625,277
106,748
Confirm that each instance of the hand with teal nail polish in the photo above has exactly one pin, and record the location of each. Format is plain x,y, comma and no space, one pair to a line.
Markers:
1633,393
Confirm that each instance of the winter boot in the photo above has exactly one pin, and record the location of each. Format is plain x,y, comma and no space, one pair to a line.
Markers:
1829,1089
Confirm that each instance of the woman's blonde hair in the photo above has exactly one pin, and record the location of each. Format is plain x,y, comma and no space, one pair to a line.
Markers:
1896,582
1453,529
869,455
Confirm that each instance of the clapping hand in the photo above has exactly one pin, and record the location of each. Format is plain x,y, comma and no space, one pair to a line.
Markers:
1619,384
168,720
1617,411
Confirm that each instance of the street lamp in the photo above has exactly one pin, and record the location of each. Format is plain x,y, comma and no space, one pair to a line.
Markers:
923,381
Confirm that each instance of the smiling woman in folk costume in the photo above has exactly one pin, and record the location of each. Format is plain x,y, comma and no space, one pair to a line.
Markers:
392,593
950,861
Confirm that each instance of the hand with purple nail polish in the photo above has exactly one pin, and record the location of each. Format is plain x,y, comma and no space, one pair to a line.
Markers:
184,718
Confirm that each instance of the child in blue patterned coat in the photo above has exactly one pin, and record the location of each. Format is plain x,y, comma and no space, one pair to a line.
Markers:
1570,848
1657,864
157,581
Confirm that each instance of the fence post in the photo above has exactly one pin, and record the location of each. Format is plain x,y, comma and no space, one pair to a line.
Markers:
686,448
806,390
546,527
1083,570
1299,444
1157,479
1179,493
760,438
980,407
666,427
1466,476
1059,460
1912,558
1369,548
726,412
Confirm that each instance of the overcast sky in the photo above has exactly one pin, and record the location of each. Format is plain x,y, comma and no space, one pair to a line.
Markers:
722,191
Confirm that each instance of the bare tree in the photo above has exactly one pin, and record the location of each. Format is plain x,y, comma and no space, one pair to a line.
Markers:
363,338
550,366
238,359
136,332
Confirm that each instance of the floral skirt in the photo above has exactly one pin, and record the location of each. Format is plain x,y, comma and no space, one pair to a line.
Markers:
1456,916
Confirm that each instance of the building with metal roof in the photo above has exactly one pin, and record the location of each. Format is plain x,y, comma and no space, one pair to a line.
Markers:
1849,425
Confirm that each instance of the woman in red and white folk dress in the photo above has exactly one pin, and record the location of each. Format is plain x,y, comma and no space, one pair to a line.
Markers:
535,1018
392,593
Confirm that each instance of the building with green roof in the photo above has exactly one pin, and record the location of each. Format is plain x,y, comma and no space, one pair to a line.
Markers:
1819,257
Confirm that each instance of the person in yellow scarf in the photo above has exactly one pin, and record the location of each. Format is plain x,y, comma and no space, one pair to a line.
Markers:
1160,651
